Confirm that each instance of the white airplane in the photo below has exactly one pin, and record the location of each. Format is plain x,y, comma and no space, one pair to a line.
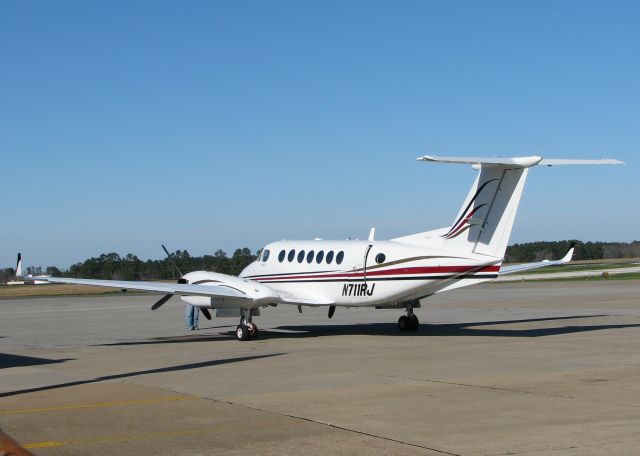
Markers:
396,273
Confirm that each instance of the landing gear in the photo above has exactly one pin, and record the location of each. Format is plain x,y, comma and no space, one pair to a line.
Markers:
408,322
246,330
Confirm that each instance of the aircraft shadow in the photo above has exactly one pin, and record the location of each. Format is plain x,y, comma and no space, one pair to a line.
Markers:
445,329
180,367
200,336
389,329
8,360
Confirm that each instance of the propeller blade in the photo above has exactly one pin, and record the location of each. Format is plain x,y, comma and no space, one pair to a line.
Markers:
206,313
175,266
161,301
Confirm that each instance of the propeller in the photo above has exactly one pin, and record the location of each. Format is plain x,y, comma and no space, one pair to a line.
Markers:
160,302
175,266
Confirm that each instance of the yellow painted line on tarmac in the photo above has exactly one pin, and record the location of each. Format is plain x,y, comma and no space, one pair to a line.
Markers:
93,405
154,435
115,438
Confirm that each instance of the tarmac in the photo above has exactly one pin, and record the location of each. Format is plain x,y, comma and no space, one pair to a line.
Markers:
497,369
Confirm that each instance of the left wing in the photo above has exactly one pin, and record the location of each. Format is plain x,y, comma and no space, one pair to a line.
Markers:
504,270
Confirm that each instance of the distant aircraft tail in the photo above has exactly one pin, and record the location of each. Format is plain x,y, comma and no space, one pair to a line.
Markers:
19,266
484,222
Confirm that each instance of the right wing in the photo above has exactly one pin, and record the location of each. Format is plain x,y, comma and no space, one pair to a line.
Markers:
504,270
240,292
158,287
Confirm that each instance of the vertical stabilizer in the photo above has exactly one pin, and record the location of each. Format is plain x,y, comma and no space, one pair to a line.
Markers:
485,220
19,266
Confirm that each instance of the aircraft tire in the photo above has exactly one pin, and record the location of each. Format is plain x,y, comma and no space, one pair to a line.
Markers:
403,323
242,332
414,323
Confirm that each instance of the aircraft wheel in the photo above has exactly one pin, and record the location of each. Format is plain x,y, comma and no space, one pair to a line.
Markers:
403,323
253,330
242,332
414,323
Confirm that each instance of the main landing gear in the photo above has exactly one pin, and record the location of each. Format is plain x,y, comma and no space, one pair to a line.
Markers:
410,321
246,330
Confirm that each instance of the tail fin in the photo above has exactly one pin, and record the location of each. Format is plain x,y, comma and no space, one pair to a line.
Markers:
484,222
19,266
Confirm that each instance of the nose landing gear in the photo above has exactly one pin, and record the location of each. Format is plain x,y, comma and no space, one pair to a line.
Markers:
246,330
410,321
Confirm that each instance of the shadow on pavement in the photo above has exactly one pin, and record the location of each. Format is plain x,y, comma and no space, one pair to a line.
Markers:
8,360
180,367
482,328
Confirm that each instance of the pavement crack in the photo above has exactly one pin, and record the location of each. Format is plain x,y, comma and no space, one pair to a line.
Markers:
323,423
510,390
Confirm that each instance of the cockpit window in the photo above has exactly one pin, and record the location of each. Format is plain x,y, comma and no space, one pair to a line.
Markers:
265,255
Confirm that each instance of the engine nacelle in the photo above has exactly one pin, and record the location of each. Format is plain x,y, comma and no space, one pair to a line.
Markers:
259,295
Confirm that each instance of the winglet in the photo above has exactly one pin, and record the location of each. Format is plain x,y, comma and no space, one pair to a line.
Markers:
567,257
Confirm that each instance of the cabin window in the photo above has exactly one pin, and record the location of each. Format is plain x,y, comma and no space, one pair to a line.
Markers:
380,258
281,256
310,256
340,257
292,255
320,256
300,256
265,255
329,256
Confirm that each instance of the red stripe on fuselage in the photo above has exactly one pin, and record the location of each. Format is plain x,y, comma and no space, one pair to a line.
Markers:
397,271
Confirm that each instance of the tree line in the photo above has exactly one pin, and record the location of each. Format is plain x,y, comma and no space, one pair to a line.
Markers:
112,266
538,251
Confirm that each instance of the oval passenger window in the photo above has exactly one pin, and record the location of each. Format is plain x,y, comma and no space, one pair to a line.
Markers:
329,257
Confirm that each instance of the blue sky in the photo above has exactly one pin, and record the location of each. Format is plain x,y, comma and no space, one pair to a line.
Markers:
220,124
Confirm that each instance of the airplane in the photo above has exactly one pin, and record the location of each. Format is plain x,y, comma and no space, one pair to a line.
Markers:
396,273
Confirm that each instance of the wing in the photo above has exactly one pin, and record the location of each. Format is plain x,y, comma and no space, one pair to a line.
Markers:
504,270
244,292
158,287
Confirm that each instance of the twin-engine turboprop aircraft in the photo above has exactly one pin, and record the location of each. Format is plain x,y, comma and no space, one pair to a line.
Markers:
397,273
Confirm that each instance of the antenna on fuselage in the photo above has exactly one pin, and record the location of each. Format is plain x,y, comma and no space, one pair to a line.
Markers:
372,233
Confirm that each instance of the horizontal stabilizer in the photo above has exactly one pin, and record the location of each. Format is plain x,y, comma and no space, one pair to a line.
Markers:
517,162
569,161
